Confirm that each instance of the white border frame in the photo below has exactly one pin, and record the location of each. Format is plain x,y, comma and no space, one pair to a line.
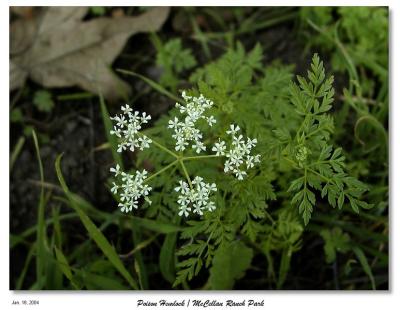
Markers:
272,299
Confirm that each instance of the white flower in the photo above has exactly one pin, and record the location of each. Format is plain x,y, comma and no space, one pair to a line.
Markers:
239,174
183,187
121,121
219,147
210,120
233,129
144,142
238,154
211,206
251,143
185,131
126,109
145,118
199,146
197,198
180,145
116,131
173,123
127,129
131,189
115,188
184,210
198,180
250,162
237,140
211,187
115,170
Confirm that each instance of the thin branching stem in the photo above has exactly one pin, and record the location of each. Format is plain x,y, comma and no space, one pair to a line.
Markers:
186,174
199,157
164,148
161,171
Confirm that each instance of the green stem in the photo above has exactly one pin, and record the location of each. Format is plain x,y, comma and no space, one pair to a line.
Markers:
161,146
199,157
309,169
315,131
320,175
161,171
164,148
186,173
292,162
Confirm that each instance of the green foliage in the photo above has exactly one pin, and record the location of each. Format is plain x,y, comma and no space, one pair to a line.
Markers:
64,266
43,101
357,43
322,166
16,115
335,241
361,29
316,144
167,257
365,265
294,138
229,264
173,59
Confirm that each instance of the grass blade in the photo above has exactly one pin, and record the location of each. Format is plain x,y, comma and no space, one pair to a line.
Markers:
64,267
21,278
365,265
112,140
94,281
167,258
284,266
94,232
153,84
139,262
41,227
17,149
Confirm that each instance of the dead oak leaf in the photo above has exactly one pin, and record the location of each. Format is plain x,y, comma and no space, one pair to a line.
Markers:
65,51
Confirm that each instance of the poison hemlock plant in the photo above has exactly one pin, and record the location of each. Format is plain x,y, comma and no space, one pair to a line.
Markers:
231,194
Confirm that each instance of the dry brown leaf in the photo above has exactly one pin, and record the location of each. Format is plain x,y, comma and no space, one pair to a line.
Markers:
23,11
65,51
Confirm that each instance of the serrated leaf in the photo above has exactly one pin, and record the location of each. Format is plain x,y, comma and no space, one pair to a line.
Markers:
341,200
254,57
296,185
365,265
354,204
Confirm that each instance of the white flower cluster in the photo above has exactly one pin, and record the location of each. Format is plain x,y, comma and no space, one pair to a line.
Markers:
127,128
196,199
131,189
238,156
185,132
